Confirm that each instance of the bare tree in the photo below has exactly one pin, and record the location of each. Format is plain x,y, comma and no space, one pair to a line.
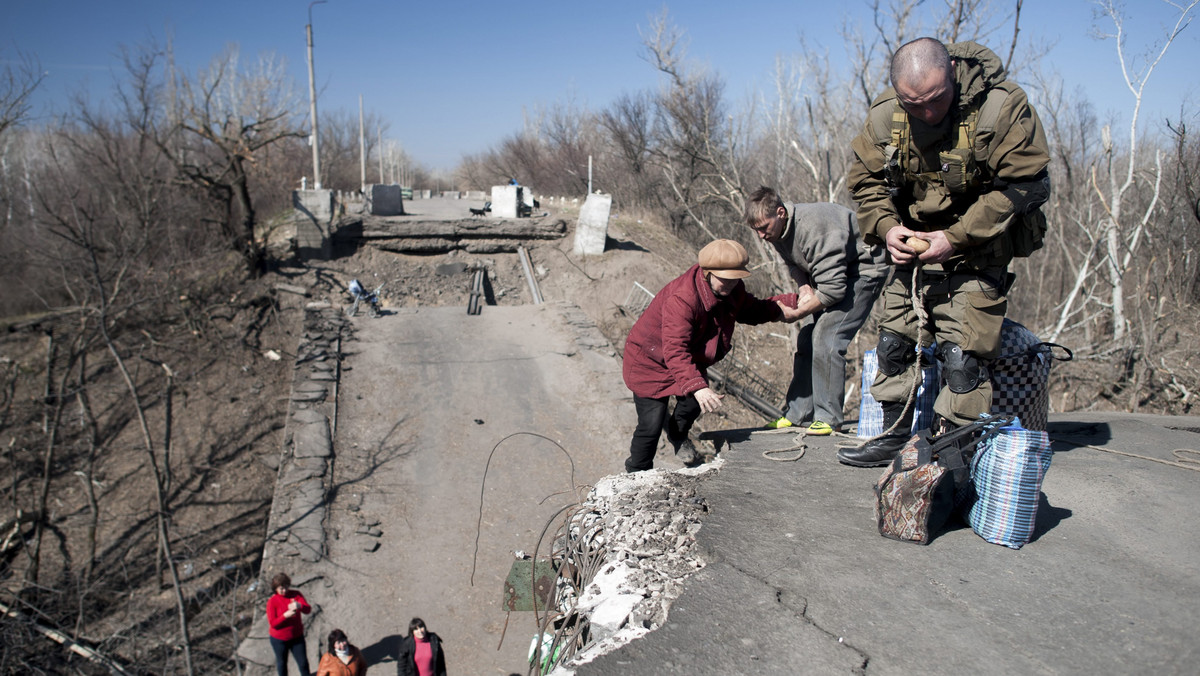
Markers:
340,156
221,119
692,145
17,83
627,124
1119,230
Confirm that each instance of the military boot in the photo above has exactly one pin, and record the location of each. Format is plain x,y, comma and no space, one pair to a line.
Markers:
880,451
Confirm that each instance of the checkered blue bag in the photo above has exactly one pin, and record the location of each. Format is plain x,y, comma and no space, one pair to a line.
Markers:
870,413
1021,375
1007,471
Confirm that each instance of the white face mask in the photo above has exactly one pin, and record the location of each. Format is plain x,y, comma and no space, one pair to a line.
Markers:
342,652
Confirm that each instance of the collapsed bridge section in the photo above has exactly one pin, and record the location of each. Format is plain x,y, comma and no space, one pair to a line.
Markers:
407,235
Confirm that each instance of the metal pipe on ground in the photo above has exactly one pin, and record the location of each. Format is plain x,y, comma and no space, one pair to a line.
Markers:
475,304
745,395
528,267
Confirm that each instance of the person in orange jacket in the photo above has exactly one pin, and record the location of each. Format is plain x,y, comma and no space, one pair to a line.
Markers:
343,658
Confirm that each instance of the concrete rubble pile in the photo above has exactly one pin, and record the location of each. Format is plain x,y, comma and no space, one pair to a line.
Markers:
649,522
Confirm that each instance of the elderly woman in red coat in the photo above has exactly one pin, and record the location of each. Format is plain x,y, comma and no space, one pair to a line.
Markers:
687,328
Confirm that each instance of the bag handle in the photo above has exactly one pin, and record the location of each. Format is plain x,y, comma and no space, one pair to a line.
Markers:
1049,349
1037,349
956,458
995,421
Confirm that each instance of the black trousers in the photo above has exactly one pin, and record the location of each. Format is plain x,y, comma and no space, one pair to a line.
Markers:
299,653
652,421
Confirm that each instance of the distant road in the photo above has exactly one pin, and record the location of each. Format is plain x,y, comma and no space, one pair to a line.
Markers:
426,395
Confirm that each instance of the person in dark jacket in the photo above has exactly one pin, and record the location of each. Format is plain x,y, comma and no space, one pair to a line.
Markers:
421,651
687,328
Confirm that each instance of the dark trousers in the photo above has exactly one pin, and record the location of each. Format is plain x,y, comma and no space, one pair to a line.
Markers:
818,387
299,653
652,421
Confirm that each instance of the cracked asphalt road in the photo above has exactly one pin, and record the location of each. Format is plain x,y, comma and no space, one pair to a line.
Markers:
800,582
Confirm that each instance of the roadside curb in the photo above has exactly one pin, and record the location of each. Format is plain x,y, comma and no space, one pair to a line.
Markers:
295,538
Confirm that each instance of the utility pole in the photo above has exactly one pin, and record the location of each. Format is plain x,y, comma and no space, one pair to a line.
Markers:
362,148
312,97
379,144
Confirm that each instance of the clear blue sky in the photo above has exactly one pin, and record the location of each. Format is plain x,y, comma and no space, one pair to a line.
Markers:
456,77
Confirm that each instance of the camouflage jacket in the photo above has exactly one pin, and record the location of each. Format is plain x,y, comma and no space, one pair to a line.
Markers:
1012,156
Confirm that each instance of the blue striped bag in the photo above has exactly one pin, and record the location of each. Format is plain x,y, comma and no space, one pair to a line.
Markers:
1007,471
870,413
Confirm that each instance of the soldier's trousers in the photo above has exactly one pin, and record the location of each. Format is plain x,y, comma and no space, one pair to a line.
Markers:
964,308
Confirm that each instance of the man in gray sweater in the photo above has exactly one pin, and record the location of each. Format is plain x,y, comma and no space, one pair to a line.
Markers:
839,278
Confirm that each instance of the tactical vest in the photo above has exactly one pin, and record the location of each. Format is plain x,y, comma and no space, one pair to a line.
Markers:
964,167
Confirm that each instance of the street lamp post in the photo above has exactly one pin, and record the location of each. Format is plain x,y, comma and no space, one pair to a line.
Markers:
312,97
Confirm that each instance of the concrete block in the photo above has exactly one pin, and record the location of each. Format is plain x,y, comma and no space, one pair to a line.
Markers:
526,194
313,228
591,231
315,204
504,201
384,200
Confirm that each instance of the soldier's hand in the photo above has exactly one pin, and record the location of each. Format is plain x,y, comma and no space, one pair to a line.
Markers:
902,253
940,248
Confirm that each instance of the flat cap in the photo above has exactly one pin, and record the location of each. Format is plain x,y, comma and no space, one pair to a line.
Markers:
725,258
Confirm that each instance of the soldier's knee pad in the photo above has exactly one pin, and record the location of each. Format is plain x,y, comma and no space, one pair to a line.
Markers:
963,371
894,353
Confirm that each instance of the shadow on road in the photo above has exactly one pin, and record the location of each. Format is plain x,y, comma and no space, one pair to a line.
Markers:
383,651
1048,517
1066,435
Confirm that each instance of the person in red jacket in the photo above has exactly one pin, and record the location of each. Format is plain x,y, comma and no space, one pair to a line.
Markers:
285,625
687,328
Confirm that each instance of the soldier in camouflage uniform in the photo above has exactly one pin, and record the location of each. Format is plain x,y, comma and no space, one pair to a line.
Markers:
952,154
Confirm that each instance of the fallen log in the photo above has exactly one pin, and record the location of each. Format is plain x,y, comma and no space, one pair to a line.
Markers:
68,642
10,529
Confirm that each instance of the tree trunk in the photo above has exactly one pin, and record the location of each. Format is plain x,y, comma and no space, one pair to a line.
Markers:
249,245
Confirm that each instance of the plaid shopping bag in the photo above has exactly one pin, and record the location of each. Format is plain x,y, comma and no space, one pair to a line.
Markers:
870,413
1007,472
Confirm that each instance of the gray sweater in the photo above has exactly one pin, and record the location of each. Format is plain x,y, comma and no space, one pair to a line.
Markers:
822,248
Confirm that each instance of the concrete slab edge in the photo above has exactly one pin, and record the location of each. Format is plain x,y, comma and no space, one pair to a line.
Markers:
295,537
648,522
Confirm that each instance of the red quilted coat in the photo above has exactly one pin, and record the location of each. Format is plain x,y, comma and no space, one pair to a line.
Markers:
685,330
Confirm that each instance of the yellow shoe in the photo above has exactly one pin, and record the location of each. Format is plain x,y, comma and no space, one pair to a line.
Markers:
779,424
819,429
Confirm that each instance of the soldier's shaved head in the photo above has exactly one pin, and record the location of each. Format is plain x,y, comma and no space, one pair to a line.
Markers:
923,77
915,60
